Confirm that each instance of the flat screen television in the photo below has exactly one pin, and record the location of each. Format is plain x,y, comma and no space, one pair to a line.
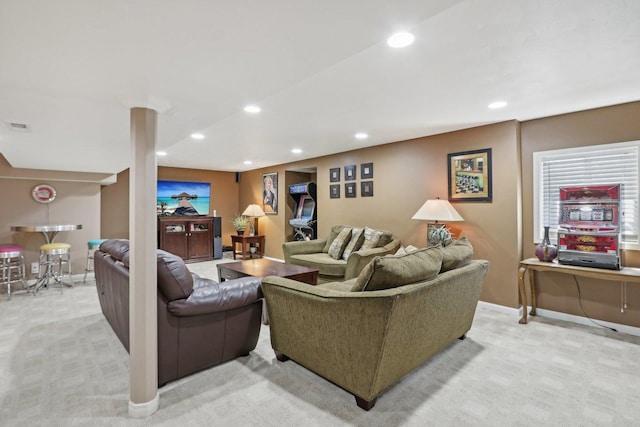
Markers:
183,198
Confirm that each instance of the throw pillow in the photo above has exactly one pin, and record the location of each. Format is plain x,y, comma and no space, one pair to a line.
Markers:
401,251
371,238
357,237
339,243
457,254
335,230
391,272
384,239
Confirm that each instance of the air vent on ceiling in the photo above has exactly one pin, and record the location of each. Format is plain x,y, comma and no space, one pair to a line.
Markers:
19,127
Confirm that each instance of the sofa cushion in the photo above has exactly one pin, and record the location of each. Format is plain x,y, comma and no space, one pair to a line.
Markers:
393,271
174,278
357,237
371,238
457,254
340,243
337,286
335,230
326,265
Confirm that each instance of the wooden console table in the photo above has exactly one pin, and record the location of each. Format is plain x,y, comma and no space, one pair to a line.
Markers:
626,274
245,246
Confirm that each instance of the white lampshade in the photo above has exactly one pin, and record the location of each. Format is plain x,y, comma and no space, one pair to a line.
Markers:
437,210
253,211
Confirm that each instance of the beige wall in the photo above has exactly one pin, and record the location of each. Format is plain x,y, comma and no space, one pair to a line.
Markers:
114,205
77,202
600,300
406,174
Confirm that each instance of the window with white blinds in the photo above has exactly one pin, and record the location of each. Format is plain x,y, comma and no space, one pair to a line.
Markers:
602,164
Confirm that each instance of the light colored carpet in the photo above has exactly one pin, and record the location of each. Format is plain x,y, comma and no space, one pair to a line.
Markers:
61,365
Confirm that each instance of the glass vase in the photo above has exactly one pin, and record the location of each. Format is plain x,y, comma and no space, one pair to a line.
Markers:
545,251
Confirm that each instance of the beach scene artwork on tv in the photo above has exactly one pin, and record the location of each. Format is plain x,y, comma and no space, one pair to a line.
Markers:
183,198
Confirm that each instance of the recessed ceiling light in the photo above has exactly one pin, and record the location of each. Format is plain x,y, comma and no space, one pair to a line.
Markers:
197,136
252,109
361,135
161,153
401,39
296,150
247,162
497,104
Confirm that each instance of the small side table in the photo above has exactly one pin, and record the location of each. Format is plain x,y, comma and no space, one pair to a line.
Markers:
245,246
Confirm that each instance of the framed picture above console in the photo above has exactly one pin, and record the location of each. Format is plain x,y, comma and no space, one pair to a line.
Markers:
470,176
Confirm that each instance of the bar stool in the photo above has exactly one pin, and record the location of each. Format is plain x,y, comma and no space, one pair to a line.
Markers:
92,245
52,254
11,266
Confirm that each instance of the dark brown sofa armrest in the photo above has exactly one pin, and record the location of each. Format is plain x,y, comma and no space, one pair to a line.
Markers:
209,296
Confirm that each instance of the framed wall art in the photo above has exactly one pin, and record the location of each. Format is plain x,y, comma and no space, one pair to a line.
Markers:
334,191
366,189
366,171
270,193
334,175
470,176
350,173
350,189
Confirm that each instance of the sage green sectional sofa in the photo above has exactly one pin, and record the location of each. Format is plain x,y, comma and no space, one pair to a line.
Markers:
366,333
343,254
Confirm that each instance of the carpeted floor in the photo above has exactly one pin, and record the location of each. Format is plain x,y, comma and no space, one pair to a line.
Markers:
62,365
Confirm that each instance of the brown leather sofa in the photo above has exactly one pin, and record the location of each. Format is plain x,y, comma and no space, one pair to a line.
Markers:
201,322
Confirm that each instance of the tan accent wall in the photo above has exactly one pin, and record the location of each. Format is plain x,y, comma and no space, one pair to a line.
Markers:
600,299
406,174
224,199
114,205
77,202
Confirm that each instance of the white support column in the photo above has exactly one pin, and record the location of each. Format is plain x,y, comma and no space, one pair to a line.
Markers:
143,344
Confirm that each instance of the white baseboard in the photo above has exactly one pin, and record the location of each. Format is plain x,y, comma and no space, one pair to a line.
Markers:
581,320
143,410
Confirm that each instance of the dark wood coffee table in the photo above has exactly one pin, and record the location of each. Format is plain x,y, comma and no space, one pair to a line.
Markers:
262,267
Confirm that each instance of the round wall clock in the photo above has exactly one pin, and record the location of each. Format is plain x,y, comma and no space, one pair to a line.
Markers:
43,193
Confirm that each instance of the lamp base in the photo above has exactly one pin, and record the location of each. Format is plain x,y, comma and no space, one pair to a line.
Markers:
438,235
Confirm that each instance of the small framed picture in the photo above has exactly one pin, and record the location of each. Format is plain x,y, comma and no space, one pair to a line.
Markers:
334,175
334,191
366,171
366,188
350,189
350,173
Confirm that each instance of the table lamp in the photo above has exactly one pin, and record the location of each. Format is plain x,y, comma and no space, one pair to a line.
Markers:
254,211
437,210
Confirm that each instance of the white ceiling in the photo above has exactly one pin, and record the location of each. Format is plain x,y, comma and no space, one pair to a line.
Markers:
320,70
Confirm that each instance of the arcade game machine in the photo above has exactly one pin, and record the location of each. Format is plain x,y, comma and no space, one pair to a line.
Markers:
305,216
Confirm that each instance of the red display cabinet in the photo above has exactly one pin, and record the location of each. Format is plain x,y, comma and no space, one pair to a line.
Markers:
589,226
